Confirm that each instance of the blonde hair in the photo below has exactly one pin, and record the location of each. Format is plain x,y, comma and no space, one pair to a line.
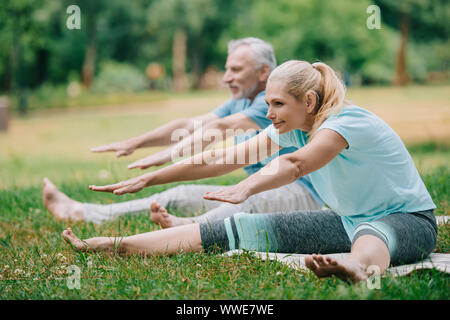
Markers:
301,76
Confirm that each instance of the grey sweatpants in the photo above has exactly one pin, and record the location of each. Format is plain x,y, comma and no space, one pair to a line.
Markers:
409,237
188,200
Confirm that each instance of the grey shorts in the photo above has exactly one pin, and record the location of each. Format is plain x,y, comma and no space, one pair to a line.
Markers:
409,237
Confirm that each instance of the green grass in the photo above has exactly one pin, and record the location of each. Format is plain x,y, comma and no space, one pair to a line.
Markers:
34,258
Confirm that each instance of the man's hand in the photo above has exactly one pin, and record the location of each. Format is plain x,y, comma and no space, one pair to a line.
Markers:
122,148
233,194
157,159
128,186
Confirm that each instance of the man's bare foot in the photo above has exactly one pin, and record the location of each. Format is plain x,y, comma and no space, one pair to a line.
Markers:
60,205
159,215
76,243
346,269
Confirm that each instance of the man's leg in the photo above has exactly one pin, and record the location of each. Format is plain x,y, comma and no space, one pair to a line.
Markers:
289,198
186,198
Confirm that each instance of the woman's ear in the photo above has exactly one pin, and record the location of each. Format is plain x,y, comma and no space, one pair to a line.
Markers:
310,101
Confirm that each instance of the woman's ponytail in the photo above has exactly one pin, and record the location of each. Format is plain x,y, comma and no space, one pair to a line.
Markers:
331,93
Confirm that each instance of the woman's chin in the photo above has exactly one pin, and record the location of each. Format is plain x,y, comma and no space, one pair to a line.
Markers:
281,128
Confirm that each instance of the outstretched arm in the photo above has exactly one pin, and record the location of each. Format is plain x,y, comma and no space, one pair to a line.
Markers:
160,136
210,163
323,148
203,137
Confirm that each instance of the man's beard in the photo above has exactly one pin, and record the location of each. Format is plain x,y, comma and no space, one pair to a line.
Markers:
247,93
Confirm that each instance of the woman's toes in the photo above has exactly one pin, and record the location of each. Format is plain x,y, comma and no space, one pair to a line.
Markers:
320,260
310,262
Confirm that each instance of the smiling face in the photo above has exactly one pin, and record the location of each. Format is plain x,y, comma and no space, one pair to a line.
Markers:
286,111
242,77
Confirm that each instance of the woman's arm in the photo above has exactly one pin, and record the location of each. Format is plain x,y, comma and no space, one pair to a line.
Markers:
210,163
323,148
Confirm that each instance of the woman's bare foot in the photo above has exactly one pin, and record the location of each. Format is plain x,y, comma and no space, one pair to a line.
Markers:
346,269
76,243
60,205
159,215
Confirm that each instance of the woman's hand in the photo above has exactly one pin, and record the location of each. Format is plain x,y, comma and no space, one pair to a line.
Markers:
233,194
128,186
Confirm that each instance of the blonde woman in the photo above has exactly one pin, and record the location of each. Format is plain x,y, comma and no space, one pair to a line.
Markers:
380,210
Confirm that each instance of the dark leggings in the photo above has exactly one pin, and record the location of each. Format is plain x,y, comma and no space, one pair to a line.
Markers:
409,237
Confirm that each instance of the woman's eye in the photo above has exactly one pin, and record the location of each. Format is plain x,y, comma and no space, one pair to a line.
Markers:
278,103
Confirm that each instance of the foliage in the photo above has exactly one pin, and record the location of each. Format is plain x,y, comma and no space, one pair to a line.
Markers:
119,77
37,48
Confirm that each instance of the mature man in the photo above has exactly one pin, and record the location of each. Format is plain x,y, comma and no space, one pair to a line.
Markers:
248,65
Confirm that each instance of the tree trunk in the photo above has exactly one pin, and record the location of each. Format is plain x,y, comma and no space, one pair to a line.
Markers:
179,60
197,61
401,73
91,51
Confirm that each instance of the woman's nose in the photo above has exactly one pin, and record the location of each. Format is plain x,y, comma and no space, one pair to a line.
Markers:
270,115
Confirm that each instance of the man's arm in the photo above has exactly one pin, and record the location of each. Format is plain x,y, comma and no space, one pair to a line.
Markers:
210,133
160,136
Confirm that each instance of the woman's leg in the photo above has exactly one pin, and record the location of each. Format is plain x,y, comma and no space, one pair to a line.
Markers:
366,251
398,238
293,232
170,241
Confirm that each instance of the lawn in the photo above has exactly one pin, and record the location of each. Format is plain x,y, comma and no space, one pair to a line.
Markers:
55,144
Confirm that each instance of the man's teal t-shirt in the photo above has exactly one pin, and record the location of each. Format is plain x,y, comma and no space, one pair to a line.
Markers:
257,111
373,177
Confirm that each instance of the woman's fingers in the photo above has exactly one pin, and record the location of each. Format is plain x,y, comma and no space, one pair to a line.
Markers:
108,188
112,187
128,189
225,196
129,186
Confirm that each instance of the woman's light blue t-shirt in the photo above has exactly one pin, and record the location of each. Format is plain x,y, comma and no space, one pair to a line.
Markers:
373,177
257,111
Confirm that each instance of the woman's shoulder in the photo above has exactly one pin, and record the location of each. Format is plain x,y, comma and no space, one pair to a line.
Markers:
353,113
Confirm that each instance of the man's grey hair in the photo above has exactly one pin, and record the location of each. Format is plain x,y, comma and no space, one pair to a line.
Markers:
262,50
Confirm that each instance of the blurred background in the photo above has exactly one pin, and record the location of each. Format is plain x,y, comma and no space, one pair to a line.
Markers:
133,65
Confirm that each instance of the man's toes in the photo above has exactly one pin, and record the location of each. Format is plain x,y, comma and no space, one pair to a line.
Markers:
154,206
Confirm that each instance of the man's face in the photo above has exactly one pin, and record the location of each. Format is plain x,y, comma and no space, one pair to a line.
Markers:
241,76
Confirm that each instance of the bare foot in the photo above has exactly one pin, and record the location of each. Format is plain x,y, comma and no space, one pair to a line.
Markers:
60,205
159,215
345,269
76,243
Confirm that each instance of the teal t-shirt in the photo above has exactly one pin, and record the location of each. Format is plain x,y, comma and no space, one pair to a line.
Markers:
373,177
257,111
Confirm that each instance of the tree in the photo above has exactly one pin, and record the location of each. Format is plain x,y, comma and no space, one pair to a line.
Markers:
19,36
423,20
331,31
182,21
